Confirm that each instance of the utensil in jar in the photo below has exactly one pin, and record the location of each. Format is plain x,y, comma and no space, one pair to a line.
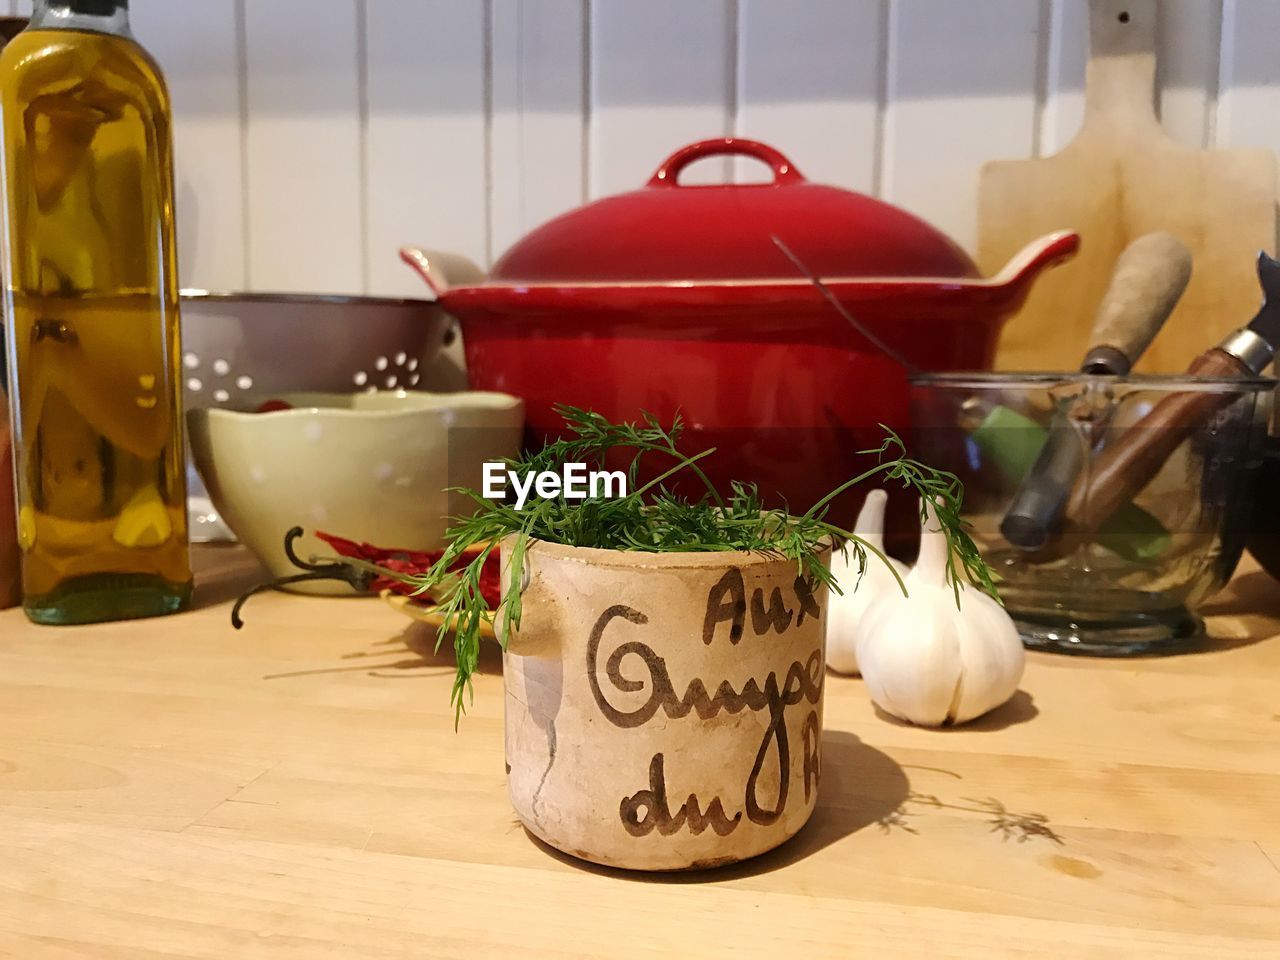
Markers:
838,307
1263,522
1150,276
1124,467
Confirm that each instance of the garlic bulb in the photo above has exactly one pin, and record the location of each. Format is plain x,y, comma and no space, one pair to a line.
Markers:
929,663
846,611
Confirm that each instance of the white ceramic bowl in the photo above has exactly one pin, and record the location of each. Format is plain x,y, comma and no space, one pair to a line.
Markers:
371,467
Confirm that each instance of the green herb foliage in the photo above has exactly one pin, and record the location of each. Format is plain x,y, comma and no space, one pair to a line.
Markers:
650,518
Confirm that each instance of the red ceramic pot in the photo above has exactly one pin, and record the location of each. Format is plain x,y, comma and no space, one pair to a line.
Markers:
676,298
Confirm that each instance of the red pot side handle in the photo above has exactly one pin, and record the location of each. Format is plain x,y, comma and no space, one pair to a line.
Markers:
784,171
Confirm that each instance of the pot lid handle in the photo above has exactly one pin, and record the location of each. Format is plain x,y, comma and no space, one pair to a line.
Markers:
784,171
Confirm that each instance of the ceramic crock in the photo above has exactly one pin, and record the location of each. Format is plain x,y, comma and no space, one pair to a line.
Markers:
675,297
664,710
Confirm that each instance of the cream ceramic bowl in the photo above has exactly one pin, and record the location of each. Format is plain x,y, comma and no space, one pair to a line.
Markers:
371,467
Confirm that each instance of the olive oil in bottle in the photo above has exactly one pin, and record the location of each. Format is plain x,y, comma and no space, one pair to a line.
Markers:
91,305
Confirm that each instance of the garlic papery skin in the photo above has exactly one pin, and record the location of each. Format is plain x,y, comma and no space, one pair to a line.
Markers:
930,663
846,611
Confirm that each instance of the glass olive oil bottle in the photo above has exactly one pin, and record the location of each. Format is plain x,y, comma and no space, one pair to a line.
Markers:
91,304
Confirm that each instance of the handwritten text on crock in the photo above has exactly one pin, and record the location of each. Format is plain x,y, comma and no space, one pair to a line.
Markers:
727,602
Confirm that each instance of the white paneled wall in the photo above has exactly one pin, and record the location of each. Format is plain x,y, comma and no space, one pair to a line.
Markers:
303,144
537,141
810,80
960,90
317,136
428,124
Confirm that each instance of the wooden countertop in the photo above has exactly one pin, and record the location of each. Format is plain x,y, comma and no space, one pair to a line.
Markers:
172,788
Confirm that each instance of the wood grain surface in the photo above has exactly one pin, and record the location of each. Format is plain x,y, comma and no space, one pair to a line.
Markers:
172,788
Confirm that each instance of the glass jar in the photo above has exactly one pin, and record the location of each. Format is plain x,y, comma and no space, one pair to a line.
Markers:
1133,584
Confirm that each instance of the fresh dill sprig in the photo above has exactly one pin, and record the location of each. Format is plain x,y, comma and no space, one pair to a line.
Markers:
651,518
941,488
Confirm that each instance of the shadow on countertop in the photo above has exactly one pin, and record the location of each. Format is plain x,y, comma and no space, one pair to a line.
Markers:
1252,601
416,648
420,640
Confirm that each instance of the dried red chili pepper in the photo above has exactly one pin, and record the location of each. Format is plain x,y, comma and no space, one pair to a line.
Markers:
414,562
404,562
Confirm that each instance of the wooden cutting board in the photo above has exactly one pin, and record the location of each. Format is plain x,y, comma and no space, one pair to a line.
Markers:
1122,177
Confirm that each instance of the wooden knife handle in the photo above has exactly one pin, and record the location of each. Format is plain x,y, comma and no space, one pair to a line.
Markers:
1148,281
1124,467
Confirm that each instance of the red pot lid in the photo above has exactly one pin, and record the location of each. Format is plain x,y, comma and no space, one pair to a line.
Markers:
666,231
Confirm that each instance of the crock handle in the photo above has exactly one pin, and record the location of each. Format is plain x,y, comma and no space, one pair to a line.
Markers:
784,171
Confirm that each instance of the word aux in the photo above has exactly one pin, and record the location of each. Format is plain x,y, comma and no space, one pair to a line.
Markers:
573,482
800,686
